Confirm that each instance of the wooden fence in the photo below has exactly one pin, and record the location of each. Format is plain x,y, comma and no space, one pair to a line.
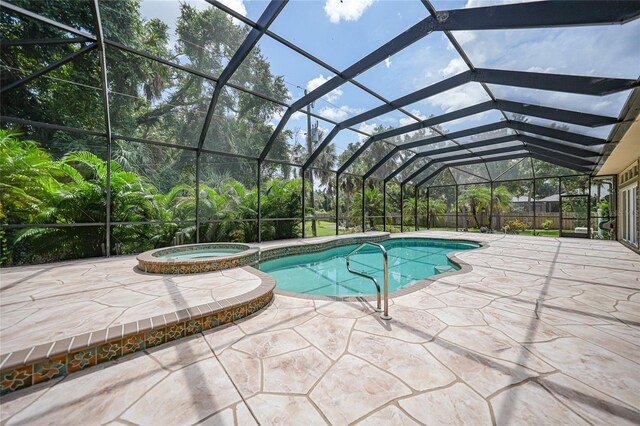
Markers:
569,220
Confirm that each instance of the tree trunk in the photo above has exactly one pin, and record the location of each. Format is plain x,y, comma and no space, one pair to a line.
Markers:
474,210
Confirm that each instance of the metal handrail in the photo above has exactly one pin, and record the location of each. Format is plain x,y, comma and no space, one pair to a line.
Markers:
385,314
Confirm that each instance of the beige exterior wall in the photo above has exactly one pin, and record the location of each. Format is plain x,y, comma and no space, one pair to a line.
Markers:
629,176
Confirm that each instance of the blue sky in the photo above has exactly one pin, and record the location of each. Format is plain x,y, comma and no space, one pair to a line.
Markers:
340,33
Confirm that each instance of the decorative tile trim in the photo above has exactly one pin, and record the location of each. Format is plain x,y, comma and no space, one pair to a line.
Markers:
304,248
152,262
22,368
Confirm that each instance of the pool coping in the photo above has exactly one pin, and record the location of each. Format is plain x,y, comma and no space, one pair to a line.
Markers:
36,364
419,285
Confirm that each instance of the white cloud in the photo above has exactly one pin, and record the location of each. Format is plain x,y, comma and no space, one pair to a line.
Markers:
405,121
335,114
339,113
297,115
319,81
367,128
347,10
540,69
237,5
460,97
418,114
387,62
463,37
455,66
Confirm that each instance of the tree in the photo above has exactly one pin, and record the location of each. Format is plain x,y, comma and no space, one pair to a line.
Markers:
501,202
476,198
436,209
282,200
321,174
26,178
373,203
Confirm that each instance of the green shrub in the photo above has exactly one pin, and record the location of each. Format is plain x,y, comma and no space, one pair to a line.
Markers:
515,226
547,224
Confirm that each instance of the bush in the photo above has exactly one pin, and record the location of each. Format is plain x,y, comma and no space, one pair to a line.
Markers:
515,227
547,224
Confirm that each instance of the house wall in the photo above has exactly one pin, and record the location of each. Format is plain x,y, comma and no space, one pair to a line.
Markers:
630,175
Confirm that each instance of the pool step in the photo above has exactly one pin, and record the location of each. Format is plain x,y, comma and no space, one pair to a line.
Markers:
442,269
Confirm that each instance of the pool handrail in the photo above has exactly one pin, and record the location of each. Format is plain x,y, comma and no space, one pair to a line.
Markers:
385,314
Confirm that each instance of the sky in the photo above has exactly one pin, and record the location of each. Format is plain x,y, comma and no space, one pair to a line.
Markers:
342,32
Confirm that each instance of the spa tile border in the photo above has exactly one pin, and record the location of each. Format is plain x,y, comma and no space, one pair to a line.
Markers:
151,262
27,367
464,268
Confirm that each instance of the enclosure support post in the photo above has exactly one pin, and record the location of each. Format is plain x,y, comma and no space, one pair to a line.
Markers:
533,171
337,201
560,205
589,233
534,206
428,207
363,204
384,206
415,209
457,208
95,8
401,211
197,197
304,213
259,201
491,203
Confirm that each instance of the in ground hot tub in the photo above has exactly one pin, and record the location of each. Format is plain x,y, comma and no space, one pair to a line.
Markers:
195,258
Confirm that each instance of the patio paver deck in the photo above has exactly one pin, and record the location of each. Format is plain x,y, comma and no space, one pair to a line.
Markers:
541,331
45,303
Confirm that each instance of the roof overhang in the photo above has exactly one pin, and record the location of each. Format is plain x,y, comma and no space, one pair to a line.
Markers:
624,147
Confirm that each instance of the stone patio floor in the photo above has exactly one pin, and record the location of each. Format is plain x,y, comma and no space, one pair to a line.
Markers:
41,304
541,331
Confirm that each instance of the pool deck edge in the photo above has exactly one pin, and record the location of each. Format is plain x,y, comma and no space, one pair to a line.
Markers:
36,364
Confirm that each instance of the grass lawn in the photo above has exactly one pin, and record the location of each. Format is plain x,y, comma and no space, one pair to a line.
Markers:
324,229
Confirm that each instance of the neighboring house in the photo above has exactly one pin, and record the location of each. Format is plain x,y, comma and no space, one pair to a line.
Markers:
551,204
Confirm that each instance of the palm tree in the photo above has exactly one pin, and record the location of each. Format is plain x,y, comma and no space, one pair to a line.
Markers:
348,188
476,198
372,205
436,209
501,202
325,162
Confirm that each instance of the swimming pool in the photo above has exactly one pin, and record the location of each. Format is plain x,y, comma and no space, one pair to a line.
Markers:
325,273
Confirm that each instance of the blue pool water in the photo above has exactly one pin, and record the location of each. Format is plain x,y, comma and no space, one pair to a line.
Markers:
325,273
201,254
